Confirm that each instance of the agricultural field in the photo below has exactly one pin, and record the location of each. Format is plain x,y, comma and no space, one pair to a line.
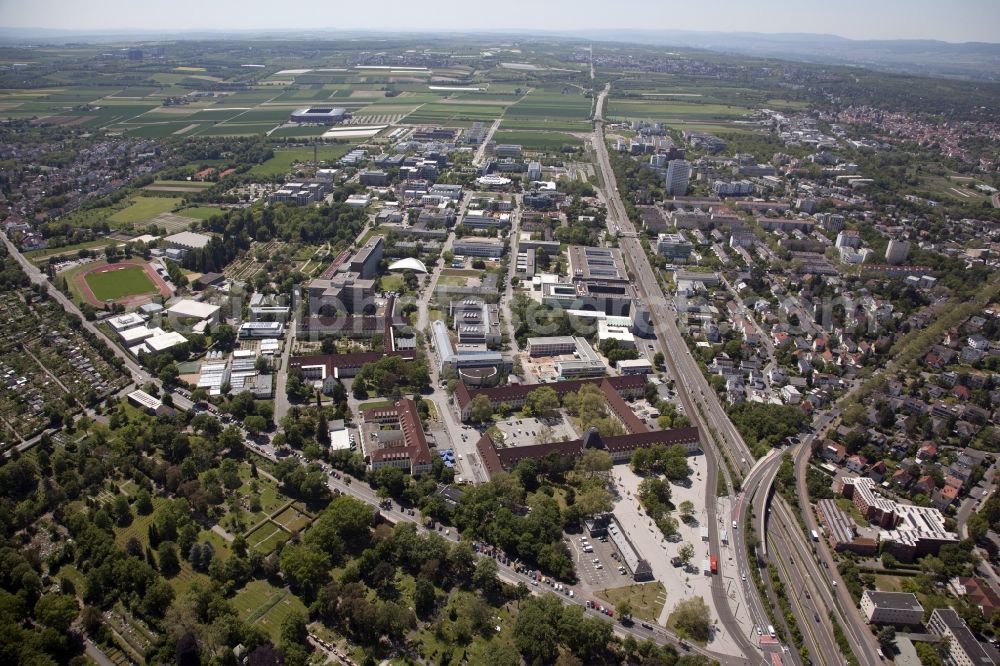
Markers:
112,285
622,109
542,141
143,209
568,110
454,115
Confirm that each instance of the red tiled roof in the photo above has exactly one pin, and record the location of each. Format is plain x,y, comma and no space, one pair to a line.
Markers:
414,442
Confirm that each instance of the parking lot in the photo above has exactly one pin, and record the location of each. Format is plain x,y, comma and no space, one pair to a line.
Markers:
519,431
603,573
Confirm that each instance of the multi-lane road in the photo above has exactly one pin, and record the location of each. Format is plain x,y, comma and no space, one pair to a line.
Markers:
673,348
701,404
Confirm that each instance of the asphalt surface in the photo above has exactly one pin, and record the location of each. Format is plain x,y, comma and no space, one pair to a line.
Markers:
688,379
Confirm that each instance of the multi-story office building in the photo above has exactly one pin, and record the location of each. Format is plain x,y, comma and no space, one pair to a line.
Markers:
897,608
674,247
366,260
963,648
678,175
897,251
478,247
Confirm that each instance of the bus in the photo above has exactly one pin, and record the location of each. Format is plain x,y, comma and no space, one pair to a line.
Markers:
814,535
715,564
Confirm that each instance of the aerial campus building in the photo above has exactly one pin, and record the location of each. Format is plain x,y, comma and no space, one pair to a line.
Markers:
620,447
906,531
319,115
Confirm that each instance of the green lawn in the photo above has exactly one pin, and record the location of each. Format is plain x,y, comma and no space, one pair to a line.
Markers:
116,284
144,209
201,212
266,606
647,599
282,161
392,283
451,281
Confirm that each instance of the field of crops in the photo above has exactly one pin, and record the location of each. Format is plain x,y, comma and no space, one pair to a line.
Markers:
549,141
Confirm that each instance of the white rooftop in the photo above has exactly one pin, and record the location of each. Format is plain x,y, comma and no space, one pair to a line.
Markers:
188,308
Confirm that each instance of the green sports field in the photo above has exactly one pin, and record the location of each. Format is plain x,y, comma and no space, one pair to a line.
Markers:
120,283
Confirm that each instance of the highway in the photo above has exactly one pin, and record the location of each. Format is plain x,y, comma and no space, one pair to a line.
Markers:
673,348
703,407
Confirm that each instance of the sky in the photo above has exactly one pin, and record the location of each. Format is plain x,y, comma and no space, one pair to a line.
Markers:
953,21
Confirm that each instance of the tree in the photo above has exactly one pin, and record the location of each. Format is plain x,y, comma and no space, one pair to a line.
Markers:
535,632
166,556
686,552
692,619
481,409
424,597
687,510
624,609
593,501
255,424
143,502
485,575
305,567
57,611
360,388
224,337
887,639
543,401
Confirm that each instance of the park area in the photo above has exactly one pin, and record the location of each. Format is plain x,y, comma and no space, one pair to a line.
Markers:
263,605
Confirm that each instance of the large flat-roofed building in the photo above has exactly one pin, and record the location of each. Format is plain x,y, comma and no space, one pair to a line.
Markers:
610,298
476,322
637,566
897,608
261,329
319,115
466,357
963,648
585,361
907,531
189,309
551,346
596,263
479,247
674,247
842,531
366,260
143,400
125,321
187,240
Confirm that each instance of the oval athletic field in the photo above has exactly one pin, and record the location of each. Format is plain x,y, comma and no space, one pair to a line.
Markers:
129,283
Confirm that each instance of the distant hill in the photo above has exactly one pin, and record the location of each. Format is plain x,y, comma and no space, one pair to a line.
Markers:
927,57
977,60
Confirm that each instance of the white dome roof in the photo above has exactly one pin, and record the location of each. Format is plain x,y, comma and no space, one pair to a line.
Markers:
410,263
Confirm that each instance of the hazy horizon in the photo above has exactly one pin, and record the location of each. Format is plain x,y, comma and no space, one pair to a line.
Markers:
962,21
